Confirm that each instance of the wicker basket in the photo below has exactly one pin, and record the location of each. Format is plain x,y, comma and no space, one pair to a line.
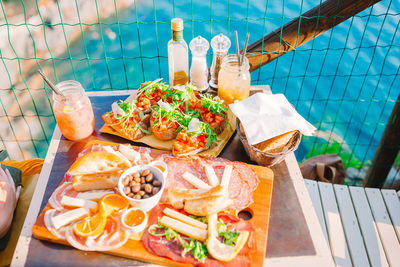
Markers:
266,158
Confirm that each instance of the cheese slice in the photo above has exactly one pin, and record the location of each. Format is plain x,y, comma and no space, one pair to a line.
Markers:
183,218
212,177
94,195
226,176
69,217
195,181
183,228
77,202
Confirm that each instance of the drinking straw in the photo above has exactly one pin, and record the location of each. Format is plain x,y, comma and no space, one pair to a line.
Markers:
245,48
237,47
50,84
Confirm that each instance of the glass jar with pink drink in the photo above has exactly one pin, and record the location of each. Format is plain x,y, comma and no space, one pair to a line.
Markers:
73,111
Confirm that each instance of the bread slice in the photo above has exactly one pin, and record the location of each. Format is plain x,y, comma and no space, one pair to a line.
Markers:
96,181
132,132
276,144
98,162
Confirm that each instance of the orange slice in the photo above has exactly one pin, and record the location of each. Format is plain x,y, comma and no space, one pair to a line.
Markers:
90,226
112,202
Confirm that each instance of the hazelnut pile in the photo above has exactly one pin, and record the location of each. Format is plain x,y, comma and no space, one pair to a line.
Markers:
141,185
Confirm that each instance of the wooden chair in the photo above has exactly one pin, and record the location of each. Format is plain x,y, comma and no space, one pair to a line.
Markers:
361,225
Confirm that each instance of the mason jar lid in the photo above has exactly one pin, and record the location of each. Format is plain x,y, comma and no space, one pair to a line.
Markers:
231,62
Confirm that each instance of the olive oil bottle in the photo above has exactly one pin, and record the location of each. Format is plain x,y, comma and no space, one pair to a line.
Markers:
178,59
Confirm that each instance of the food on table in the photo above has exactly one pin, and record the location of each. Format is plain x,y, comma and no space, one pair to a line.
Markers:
73,202
243,179
183,242
134,217
97,170
141,185
275,144
165,121
127,120
200,202
213,112
197,137
150,95
68,217
221,250
73,111
195,227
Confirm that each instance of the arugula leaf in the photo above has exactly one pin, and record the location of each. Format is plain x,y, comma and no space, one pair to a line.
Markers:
229,237
215,105
200,251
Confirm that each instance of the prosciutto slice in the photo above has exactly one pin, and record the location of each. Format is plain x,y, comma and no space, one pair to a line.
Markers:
64,189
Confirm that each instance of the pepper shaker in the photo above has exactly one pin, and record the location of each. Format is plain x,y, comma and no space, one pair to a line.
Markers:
220,45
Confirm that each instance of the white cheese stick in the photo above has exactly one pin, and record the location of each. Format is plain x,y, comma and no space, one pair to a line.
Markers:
226,176
183,228
94,195
183,218
77,202
69,217
195,181
212,177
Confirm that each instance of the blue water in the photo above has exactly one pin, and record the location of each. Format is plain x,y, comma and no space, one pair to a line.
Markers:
344,82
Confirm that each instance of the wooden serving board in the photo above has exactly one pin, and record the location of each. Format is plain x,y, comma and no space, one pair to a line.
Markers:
151,140
134,249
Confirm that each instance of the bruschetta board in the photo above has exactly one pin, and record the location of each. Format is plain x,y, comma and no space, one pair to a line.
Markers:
183,109
258,212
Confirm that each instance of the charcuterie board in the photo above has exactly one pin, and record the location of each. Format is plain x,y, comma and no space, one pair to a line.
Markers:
259,212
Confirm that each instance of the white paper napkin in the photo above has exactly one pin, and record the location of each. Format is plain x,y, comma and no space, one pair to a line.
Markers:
266,116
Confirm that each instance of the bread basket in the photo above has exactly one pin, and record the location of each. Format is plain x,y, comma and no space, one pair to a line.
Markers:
266,158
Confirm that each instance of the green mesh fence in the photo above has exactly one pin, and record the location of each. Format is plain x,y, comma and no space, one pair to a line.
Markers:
345,81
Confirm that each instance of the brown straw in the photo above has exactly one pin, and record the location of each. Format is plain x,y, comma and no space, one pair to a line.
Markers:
237,47
245,48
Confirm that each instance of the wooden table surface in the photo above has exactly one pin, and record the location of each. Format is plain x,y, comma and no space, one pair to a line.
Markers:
294,237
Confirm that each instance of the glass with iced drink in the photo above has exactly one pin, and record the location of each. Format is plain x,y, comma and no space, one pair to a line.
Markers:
73,111
233,80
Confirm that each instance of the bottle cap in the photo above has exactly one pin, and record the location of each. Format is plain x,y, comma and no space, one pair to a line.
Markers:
177,24
220,43
199,46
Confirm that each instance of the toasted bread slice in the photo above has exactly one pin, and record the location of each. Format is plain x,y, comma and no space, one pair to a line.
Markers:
276,144
164,135
220,127
177,196
97,162
208,205
96,181
132,132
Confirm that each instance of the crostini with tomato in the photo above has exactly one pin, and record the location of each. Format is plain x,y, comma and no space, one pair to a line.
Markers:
151,95
197,137
213,112
128,120
164,121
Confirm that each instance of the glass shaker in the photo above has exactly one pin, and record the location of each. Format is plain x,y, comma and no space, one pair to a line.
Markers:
199,70
234,79
73,111
220,45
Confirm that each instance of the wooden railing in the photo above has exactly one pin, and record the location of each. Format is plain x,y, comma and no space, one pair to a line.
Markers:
303,29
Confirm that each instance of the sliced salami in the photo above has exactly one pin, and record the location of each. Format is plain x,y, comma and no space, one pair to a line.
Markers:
64,189
60,233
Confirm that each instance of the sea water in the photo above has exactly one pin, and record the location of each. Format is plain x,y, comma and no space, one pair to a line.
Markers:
345,82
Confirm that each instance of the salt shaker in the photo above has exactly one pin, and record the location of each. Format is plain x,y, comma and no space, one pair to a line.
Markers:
199,70
220,45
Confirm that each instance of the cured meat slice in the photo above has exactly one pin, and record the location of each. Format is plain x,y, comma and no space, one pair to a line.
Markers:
64,189
92,148
77,241
241,186
60,233
160,246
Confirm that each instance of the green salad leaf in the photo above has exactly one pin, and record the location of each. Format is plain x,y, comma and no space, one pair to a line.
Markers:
229,237
213,104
